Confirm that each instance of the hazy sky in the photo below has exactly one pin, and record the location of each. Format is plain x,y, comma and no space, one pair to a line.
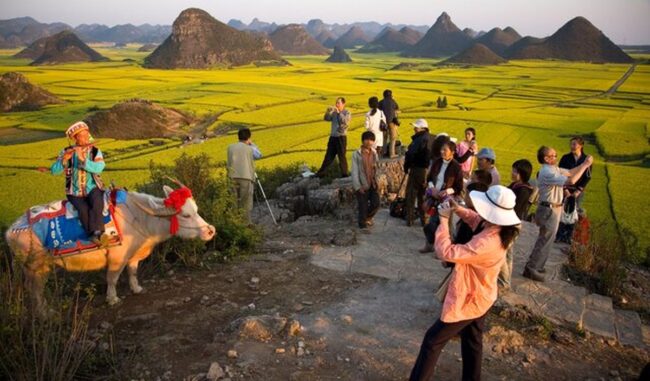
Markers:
624,21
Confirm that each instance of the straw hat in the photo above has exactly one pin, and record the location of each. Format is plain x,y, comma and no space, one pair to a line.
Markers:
497,205
76,128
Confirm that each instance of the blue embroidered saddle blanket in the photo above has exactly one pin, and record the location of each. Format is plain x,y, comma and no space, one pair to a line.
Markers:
59,229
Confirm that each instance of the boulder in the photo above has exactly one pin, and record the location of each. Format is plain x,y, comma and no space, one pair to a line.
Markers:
261,328
306,196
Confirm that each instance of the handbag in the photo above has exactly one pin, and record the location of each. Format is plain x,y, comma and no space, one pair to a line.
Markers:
569,214
441,292
383,127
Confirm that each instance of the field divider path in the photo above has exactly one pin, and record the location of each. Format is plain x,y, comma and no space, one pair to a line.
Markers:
613,89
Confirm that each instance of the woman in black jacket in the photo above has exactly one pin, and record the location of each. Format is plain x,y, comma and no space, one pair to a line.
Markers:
445,180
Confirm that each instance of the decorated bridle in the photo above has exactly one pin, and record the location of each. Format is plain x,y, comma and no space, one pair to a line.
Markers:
176,200
173,206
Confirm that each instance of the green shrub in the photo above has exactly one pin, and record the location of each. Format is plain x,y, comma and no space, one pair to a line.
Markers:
599,263
217,205
55,347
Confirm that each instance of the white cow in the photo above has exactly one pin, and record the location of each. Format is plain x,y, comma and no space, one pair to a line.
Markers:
144,222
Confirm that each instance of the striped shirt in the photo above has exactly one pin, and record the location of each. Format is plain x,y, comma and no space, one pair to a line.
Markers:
82,176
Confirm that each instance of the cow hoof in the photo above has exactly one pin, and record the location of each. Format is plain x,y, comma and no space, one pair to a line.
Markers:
138,290
113,301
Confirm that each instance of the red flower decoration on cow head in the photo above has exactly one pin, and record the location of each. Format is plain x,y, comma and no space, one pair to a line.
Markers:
176,200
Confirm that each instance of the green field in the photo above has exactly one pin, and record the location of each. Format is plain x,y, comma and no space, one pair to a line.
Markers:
515,107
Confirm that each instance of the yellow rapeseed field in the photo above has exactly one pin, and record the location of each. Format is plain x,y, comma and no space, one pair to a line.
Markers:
515,107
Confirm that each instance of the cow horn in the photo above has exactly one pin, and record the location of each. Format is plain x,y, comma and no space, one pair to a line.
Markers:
175,181
158,212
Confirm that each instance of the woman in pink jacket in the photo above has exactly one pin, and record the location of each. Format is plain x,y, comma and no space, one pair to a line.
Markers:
473,285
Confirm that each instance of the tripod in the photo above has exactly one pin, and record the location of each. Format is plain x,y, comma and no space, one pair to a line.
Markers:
257,180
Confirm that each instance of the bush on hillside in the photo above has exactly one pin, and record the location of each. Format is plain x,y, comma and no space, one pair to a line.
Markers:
599,263
56,347
217,205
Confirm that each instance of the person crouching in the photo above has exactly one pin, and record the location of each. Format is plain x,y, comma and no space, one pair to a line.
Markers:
364,179
83,163
473,285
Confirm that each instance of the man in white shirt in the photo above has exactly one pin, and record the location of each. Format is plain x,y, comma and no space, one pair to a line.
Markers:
551,180
241,169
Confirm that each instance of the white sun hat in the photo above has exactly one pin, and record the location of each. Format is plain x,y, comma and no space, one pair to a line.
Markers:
496,206
420,123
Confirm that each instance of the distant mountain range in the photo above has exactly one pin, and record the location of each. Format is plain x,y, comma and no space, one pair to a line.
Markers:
23,31
577,40
315,27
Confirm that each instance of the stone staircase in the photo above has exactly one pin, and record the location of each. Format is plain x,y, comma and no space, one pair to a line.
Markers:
390,251
562,302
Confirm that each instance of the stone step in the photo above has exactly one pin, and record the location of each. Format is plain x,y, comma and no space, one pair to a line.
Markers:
598,316
629,330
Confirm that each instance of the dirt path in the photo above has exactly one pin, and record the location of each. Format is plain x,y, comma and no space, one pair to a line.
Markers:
353,326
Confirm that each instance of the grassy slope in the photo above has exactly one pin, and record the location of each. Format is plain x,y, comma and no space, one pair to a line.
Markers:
512,106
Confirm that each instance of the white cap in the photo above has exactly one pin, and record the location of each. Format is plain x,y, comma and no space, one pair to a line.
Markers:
420,123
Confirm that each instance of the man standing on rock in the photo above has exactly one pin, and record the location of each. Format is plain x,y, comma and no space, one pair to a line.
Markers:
241,170
337,144
390,109
551,180
364,179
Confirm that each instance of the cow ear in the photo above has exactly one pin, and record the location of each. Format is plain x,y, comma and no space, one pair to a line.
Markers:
167,190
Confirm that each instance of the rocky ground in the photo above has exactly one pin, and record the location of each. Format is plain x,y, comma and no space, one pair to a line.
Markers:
276,316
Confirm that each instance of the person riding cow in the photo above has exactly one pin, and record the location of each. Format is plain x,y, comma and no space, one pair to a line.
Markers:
145,221
83,163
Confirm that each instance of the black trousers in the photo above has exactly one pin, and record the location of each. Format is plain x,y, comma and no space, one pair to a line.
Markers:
336,146
430,229
471,343
368,204
90,210
416,186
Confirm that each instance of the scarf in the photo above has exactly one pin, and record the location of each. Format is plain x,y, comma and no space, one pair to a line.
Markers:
440,179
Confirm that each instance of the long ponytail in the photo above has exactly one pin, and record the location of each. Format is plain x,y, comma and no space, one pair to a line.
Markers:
508,235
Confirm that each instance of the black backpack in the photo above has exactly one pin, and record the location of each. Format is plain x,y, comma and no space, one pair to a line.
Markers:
397,207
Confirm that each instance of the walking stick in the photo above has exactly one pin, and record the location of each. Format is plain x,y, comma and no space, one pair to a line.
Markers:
257,179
